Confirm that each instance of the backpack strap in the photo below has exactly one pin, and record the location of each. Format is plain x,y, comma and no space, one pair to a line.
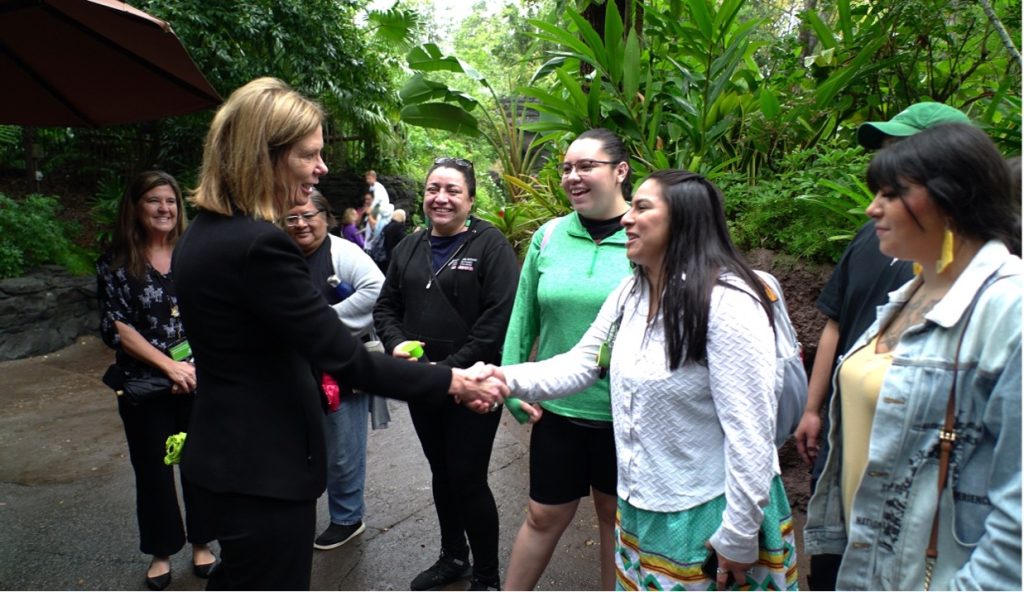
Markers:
549,230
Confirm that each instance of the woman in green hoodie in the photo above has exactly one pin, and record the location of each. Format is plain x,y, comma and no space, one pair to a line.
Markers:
573,263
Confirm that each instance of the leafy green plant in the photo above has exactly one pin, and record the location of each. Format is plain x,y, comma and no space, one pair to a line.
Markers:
518,220
32,234
430,103
776,210
104,207
849,201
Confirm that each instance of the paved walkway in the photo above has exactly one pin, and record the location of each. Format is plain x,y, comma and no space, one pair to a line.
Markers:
67,495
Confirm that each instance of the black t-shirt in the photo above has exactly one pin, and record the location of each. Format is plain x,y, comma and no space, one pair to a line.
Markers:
602,229
320,268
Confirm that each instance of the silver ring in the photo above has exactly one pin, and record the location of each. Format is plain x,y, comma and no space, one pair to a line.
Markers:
494,406
721,570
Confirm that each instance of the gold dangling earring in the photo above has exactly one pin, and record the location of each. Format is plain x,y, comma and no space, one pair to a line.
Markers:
946,257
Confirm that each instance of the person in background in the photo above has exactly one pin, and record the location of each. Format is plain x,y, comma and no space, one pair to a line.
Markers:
450,289
393,234
365,226
350,283
571,266
692,367
255,449
139,319
349,231
860,284
934,382
380,208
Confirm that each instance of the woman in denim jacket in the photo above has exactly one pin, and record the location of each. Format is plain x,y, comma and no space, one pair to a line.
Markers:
942,199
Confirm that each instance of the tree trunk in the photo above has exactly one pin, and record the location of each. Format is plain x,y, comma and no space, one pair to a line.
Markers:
807,38
631,11
998,25
28,142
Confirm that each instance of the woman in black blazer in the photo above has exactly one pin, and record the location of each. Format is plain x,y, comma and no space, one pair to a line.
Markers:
255,447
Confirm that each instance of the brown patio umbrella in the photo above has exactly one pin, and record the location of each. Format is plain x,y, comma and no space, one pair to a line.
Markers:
93,63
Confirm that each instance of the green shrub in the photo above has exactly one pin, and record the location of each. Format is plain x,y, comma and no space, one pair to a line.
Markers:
32,234
808,208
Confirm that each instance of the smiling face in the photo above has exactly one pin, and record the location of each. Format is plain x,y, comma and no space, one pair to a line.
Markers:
647,227
596,191
307,226
157,210
300,168
446,201
908,226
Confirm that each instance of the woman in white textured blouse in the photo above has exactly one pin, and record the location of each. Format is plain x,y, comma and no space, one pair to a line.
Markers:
693,406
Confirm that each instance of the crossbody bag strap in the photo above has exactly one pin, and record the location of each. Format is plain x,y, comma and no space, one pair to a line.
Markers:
947,440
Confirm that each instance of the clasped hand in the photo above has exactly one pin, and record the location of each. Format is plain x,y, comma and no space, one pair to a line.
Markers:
483,387
182,376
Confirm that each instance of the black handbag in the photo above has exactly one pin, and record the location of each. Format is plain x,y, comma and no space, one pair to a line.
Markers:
136,390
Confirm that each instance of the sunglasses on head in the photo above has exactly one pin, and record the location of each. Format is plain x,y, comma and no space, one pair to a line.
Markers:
459,162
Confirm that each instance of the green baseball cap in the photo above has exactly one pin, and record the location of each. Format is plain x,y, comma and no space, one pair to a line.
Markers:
908,122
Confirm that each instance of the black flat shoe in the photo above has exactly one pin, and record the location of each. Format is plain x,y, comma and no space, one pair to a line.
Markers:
159,582
206,570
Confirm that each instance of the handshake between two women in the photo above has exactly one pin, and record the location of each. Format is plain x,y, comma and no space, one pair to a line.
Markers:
481,387
486,390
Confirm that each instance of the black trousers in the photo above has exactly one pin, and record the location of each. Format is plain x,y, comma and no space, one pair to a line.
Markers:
457,443
146,427
265,543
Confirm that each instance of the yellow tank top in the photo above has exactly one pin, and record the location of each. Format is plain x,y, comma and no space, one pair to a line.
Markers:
860,381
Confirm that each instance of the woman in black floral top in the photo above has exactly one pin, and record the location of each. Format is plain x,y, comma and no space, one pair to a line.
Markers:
139,319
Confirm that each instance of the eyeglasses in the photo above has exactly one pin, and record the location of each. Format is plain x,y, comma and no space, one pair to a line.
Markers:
291,221
459,162
583,167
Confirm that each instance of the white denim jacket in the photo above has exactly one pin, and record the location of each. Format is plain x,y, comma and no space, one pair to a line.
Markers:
980,518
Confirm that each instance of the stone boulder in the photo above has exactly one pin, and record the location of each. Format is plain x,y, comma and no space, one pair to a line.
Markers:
45,311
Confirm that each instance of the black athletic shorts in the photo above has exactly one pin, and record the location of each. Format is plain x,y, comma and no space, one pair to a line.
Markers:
568,457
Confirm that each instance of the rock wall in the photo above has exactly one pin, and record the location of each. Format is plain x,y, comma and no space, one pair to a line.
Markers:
45,311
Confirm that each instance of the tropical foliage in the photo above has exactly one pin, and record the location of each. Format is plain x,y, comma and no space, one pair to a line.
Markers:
764,96
32,233
734,90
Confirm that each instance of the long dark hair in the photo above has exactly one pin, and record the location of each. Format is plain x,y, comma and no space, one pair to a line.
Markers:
128,243
699,250
616,149
965,175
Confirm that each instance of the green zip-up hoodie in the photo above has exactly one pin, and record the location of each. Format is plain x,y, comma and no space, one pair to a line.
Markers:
566,278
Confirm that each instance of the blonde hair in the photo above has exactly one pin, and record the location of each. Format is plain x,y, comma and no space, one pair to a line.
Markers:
349,216
250,133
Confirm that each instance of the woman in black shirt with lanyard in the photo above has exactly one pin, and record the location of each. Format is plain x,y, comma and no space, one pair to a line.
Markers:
139,319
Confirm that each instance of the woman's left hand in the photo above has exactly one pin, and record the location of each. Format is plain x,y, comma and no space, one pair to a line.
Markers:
727,568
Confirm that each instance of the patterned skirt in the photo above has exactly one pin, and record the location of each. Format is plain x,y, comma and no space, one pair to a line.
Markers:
665,550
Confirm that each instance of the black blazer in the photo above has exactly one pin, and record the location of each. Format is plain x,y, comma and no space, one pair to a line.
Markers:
256,323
